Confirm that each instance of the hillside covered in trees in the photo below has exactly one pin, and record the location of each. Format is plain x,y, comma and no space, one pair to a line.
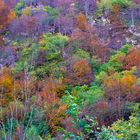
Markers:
69,69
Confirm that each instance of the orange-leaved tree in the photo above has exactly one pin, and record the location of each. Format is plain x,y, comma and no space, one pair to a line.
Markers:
49,99
132,59
82,22
121,89
6,87
79,73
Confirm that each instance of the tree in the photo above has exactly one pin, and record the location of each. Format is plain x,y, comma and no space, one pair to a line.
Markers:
11,3
56,117
29,27
117,30
51,92
6,87
79,73
49,99
120,89
7,15
82,22
108,4
27,11
7,56
104,5
65,24
127,129
131,60
88,6
134,10
90,41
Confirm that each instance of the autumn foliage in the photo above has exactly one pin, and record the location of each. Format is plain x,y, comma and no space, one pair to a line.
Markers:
119,90
6,87
80,73
6,16
49,98
69,69
55,118
81,22
132,60
90,42
52,90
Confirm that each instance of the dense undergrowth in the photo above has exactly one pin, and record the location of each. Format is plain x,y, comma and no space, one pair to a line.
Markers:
69,69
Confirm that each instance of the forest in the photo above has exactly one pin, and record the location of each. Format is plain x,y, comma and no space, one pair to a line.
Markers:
69,69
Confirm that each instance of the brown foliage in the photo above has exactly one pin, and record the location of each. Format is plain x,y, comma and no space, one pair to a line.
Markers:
101,106
6,87
132,59
70,127
49,99
120,89
15,110
11,89
82,22
6,16
124,84
80,73
117,28
55,118
91,43
1,41
19,132
53,89
102,110
116,9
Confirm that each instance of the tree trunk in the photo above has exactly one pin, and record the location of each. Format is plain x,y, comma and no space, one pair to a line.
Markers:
86,6
132,18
